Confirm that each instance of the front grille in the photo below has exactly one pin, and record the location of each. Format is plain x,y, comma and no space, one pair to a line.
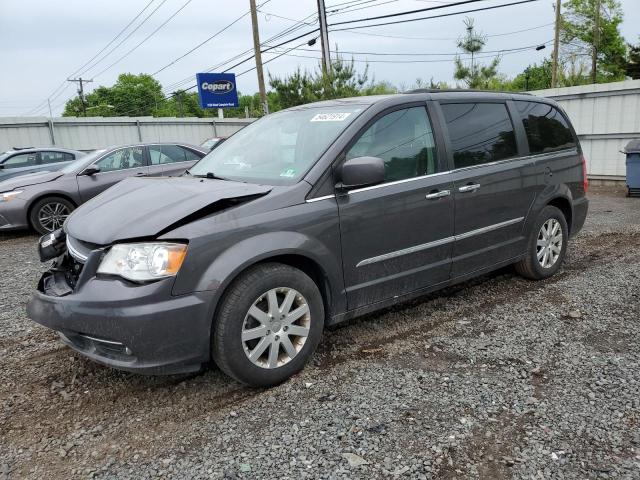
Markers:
78,249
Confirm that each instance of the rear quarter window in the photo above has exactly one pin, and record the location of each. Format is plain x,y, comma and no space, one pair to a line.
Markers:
547,129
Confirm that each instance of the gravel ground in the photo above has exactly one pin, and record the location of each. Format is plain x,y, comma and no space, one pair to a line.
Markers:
496,378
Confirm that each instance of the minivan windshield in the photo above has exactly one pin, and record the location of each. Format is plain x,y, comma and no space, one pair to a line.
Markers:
279,148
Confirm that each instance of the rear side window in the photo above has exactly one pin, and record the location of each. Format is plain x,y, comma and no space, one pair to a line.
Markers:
161,154
55,157
480,133
191,155
547,129
404,140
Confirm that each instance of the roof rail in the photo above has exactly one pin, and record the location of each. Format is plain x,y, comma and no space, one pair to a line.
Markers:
461,90
22,148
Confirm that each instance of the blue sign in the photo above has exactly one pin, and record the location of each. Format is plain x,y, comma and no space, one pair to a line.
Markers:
217,90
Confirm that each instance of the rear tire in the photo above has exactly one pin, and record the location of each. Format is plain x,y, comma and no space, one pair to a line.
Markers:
49,213
268,325
547,245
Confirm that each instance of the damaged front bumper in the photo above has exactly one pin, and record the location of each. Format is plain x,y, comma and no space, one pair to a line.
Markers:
129,326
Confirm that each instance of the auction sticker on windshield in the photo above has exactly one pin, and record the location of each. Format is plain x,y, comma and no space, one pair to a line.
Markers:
330,117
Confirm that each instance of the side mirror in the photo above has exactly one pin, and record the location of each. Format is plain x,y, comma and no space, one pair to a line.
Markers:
362,172
90,170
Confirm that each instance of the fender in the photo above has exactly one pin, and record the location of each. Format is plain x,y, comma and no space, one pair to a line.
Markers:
240,256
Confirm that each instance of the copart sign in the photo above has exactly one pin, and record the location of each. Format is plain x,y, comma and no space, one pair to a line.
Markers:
217,90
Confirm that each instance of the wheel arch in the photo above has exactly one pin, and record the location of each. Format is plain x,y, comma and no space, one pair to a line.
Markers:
42,196
304,263
564,205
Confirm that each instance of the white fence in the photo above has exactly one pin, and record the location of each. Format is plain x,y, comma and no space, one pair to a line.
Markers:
92,133
605,116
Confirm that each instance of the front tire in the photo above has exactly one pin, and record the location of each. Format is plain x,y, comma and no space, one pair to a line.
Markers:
49,213
547,245
268,325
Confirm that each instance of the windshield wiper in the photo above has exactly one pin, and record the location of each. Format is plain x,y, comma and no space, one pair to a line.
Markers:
209,175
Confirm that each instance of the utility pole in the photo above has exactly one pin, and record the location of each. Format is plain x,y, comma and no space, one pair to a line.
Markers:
324,38
596,42
258,56
556,48
80,83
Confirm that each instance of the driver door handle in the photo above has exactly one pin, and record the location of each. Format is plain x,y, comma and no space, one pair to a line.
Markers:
140,174
472,187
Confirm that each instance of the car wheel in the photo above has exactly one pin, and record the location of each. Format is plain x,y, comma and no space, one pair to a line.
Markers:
268,325
48,214
547,245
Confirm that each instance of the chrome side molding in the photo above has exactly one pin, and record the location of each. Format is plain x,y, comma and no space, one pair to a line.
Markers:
437,243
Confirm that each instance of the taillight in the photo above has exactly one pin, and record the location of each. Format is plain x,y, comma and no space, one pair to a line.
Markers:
585,180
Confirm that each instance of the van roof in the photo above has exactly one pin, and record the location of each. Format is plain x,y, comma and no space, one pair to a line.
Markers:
425,94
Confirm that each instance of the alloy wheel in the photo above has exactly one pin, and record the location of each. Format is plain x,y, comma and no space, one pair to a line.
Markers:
276,327
52,215
549,244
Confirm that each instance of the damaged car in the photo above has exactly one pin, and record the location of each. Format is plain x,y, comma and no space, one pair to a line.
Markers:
309,217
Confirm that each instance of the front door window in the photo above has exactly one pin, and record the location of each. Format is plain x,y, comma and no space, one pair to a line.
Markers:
404,140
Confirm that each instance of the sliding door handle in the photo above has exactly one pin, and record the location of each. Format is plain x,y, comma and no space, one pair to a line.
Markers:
438,194
469,188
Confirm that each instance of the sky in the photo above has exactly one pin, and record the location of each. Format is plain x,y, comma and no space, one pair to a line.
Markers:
44,42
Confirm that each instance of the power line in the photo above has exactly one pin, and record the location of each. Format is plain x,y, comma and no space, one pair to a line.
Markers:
299,24
113,39
355,8
408,12
144,20
404,37
60,89
287,31
64,83
145,39
207,40
421,54
447,60
430,17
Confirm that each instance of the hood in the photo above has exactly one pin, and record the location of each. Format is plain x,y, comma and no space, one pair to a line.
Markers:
144,207
28,179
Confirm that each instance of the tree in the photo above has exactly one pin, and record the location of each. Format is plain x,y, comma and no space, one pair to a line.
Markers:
131,95
534,77
343,81
580,36
632,66
474,75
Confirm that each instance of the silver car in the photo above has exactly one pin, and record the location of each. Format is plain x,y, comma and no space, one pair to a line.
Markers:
20,161
43,200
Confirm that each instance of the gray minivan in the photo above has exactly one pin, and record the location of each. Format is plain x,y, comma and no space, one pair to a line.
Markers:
309,217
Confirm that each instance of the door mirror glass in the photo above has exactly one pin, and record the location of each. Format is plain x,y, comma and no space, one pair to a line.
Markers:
90,170
362,172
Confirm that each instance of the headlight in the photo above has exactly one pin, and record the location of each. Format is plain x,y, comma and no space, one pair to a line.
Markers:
143,261
6,196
